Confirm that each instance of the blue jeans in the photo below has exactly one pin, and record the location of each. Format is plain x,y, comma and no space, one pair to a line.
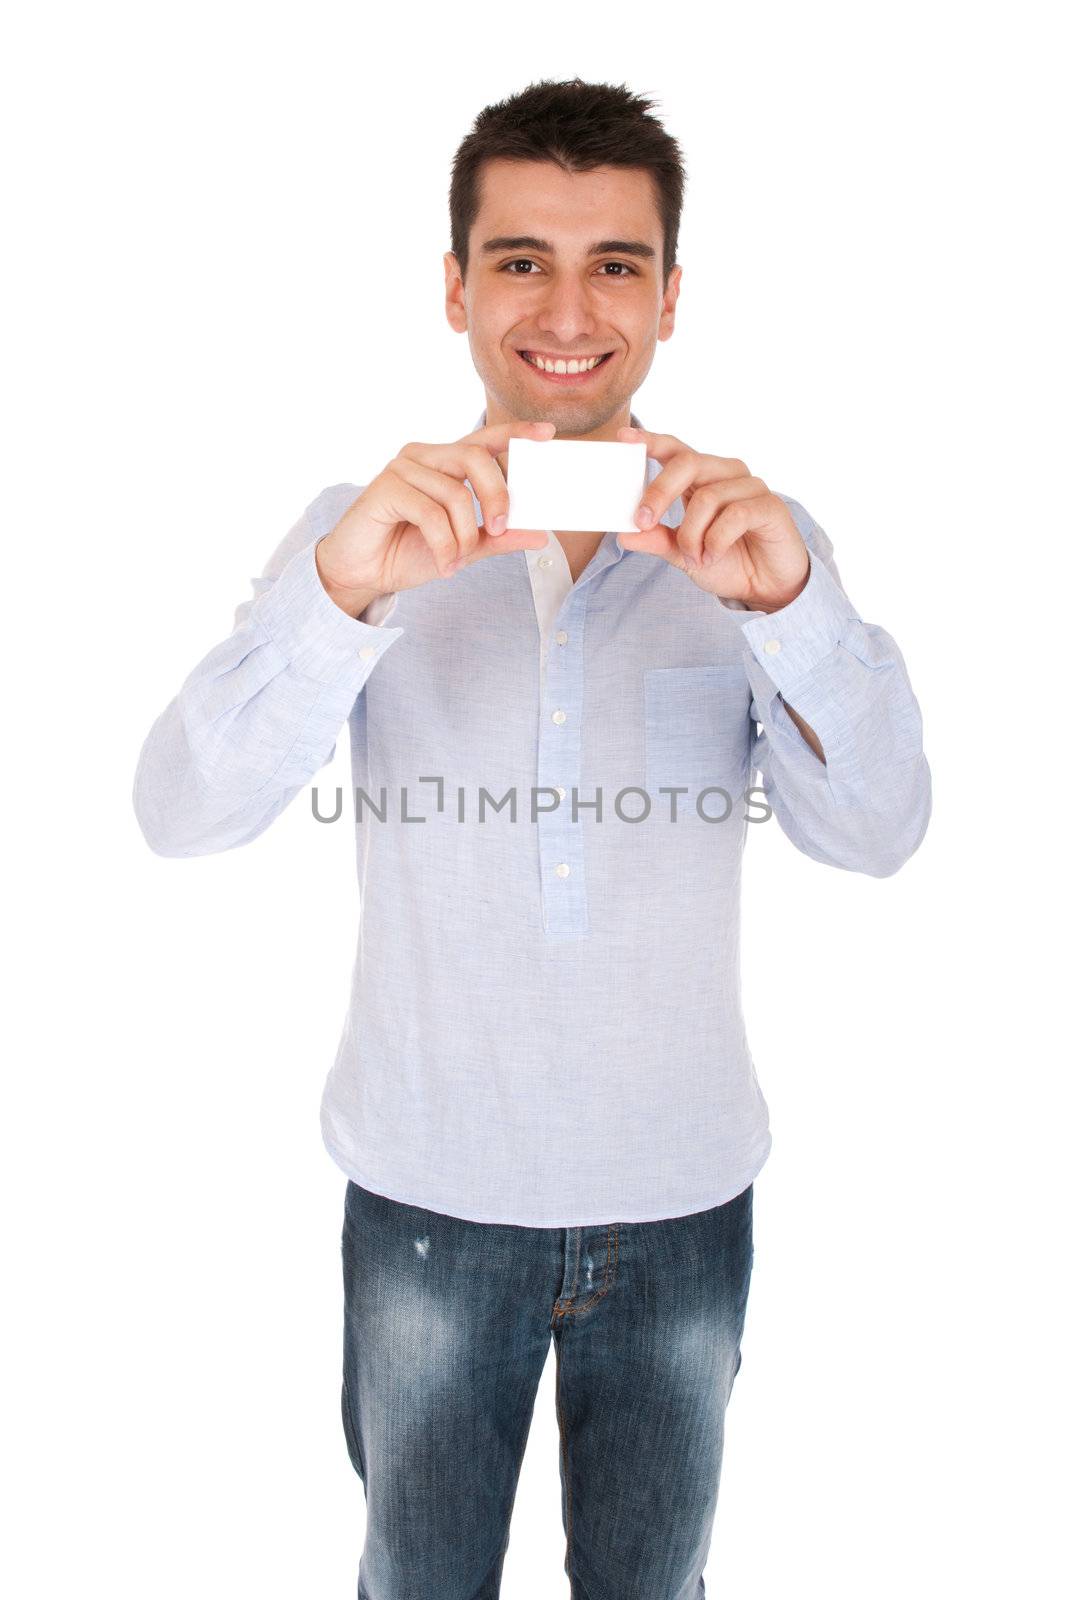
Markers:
447,1325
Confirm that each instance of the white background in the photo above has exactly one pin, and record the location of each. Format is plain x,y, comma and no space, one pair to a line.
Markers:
225,291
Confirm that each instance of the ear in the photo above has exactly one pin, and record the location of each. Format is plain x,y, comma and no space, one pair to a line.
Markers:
455,306
667,320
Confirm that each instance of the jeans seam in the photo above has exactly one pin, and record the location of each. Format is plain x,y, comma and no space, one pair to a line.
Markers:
349,1418
612,1253
566,1469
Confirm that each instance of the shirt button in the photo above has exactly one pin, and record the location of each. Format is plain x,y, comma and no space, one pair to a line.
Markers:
366,652
772,646
561,637
545,561
563,869
560,791
560,716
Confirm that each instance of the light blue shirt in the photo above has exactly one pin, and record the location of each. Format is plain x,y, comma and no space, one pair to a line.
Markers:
545,1021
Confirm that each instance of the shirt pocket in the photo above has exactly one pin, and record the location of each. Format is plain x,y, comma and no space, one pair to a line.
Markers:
697,728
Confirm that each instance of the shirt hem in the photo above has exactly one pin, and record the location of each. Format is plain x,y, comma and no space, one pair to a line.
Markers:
426,1203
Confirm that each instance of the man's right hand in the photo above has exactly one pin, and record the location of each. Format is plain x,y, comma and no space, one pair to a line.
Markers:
416,520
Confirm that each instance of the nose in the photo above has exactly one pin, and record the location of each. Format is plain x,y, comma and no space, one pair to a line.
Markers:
567,313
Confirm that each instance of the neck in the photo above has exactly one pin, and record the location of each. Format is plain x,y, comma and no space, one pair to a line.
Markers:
496,413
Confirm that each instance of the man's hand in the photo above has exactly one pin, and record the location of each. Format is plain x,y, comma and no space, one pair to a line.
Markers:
737,540
416,520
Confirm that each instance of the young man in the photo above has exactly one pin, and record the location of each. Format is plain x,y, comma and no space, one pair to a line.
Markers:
543,1097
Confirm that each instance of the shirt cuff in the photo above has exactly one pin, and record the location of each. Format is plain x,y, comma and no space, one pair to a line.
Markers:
790,643
316,636
379,610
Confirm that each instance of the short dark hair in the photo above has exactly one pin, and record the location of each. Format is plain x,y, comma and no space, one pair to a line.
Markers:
579,126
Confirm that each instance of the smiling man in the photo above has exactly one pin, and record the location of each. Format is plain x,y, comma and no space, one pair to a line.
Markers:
543,1097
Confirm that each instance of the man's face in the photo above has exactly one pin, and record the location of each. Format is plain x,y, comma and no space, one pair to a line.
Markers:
557,297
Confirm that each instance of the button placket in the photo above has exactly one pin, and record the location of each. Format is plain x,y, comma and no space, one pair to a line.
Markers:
560,840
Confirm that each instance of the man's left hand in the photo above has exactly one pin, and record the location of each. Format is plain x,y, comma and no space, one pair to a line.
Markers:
737,540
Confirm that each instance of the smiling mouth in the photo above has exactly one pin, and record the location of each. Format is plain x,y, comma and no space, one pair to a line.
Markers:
565,377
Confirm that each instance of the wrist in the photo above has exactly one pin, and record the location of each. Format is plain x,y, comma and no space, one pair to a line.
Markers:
351,598
769,605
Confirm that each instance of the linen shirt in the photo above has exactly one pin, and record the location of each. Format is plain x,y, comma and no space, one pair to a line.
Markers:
544,1026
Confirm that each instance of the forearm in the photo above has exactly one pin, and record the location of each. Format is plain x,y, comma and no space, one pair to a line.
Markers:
845,770
256,718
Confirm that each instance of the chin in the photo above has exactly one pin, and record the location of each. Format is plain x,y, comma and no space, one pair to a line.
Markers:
570,416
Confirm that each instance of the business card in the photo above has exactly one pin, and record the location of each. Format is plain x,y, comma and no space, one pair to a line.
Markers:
575,485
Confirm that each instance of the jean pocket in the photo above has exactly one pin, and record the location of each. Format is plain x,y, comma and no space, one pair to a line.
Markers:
697,729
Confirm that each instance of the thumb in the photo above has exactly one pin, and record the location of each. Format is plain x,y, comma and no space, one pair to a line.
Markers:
655,541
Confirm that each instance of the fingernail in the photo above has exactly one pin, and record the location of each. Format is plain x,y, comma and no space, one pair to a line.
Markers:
644,516
498,524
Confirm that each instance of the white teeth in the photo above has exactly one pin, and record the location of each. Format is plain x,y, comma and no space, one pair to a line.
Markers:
561,366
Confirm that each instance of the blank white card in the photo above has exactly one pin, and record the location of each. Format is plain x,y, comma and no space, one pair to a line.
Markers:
575,485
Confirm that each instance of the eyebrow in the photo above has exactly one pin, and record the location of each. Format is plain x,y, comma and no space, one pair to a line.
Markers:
527,241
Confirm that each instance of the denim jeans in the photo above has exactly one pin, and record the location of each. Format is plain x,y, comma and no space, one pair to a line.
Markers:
447,1325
